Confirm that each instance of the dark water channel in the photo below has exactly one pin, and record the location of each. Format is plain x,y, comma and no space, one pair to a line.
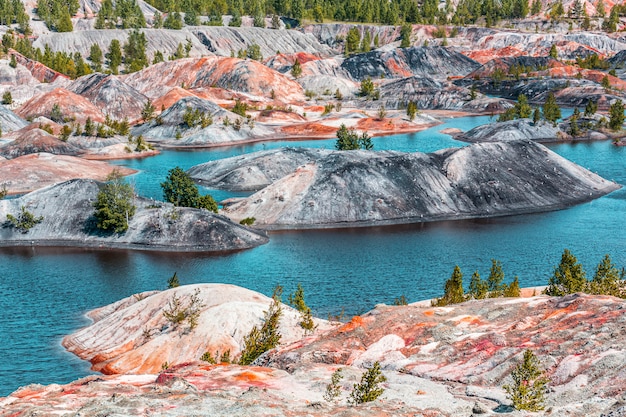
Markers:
45,292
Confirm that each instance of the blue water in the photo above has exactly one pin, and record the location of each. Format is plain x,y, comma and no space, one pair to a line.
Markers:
45,292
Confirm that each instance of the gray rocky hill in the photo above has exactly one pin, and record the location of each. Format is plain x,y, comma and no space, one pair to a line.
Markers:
364,188
67,211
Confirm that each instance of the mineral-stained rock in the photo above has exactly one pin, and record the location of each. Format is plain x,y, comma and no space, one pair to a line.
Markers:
71,104
10,121
432,62
170,129
34,141
246,76
70,222
361,188
30,172
111,95
226,314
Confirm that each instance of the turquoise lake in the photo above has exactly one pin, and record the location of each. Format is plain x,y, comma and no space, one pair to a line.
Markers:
44,293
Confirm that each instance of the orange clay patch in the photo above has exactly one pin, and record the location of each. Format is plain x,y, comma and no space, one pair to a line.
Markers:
428,313
357,321
250,377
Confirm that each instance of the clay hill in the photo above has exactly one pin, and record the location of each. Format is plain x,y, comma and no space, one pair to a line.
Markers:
71,222
364,188
438,361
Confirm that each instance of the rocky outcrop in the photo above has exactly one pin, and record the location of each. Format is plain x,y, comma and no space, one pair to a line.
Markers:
71,104
10,121
111,95
164,40
70,222
170,129
224,41
31,172
443,361
436,63
334,34
431,94
226,315
360,188
519,129
245,76
252,172
35,141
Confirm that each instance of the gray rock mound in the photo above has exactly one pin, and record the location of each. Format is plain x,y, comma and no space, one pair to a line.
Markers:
113,96
360,188
35,141
519,129
10,121
251,172
161,226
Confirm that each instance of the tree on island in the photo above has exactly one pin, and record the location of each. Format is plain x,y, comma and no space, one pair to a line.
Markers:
180,190
551,110
616,115
114,204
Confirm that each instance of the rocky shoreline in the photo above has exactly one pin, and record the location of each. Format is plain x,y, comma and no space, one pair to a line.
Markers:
446,361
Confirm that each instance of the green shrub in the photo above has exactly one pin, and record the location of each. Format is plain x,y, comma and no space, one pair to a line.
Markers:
178,312
24,221
369,388
333,390
114,204
529,384
453,291
248,221
267,337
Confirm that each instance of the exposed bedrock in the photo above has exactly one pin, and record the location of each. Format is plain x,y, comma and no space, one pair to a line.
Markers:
431,62
158,226
364,188
519,129
251,172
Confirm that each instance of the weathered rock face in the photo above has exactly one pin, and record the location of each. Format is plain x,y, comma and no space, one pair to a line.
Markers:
445,361
520,129
353,188
164,40
70,104
171,125
35,141
431,94
330,34
226,315
111,95
529,63
70,222
10,121
432,62
30,172
246,76
255,171
223,41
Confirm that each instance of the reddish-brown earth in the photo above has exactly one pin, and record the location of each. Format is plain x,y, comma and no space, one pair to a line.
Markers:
71,104
30,172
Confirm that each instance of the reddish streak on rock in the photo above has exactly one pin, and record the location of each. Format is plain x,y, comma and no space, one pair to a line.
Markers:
397,69
428,313
357,321
486,346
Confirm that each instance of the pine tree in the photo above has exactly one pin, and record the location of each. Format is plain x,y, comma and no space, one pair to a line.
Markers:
551,110
352,41
115,56
411,110
147,113
513,289
616,115
569,277
405,36
135,57
529,384
7,98
522,107
95,56
296,69
495,279
369,388
114,205
453,290
173,281
478,288
536,116
607,280
267,337
554,53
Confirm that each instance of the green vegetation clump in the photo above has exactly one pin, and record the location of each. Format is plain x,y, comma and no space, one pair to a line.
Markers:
348,139
333,389
178,311
616,115
114,204
370,387
267,337
296,300
173,281
24,221
180,190
529,384
248,221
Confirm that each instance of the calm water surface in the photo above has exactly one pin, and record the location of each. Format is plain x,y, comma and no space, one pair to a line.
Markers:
45,292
